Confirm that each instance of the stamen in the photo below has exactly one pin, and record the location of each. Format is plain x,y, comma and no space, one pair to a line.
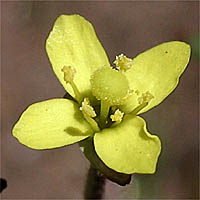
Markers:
89,113
123,63
69,73
87,109
118,116
143,102
145,98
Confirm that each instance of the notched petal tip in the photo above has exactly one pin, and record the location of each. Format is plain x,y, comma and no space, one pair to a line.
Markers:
128,148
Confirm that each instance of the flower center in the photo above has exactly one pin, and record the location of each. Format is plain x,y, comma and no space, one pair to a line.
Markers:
109,85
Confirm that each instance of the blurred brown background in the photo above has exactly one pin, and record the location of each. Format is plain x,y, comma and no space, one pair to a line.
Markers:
128,27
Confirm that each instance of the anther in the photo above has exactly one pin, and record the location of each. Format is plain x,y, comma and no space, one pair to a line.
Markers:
69,73
89,113
143,101
123,63
87,109
145,98
118,116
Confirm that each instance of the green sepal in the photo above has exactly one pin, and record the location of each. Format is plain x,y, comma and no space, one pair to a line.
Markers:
88,150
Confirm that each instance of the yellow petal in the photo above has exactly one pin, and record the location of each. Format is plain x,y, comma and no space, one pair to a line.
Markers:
73,42
50,124
128,148
157,71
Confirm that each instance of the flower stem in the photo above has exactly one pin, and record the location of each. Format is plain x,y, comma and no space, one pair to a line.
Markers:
94,188
104,113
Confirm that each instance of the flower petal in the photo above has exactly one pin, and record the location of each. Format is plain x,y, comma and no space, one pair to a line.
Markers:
50,124
128,148
87,147
157,71
73,42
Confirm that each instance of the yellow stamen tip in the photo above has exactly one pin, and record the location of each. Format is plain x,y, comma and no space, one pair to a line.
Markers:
123,63
145,98
118,116
87,109
69,73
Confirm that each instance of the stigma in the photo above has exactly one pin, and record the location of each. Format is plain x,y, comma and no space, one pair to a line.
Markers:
109,85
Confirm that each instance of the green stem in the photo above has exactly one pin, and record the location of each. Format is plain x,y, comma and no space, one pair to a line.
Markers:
94,188
104,113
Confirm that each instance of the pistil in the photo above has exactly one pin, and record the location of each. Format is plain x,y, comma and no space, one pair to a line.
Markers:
111,87
105,107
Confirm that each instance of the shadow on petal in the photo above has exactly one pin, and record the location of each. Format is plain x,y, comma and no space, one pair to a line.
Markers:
76,132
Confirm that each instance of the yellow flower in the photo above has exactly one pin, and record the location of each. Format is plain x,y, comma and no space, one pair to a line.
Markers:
107,100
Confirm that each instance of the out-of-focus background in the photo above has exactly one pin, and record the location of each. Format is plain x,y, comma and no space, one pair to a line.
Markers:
122,27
